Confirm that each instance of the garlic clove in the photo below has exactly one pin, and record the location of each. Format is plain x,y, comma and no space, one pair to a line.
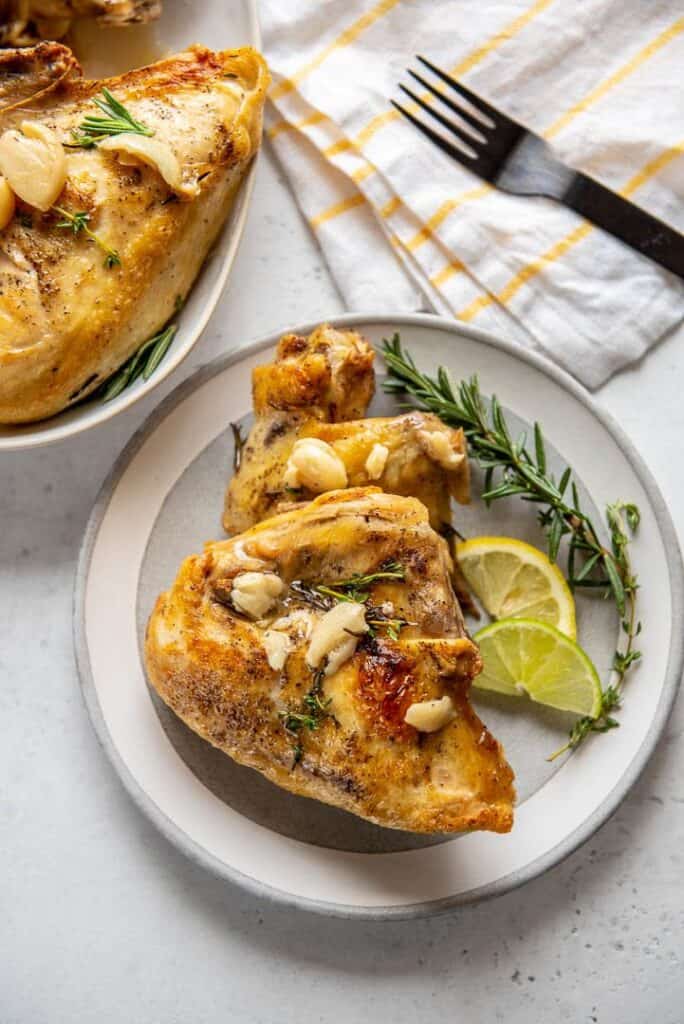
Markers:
256,593
376,461
277,646
33,163
430,715
315,465
7,203
438,446
153,152
336,634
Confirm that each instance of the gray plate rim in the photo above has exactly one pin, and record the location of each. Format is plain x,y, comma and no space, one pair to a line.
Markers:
540,865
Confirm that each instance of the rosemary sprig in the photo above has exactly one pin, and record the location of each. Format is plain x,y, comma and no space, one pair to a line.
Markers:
116,120
77,223
524,473
623,520
143,362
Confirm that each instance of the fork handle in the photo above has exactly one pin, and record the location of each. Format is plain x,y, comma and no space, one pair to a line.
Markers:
628,222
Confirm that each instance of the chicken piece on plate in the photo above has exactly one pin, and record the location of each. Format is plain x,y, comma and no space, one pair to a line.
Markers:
308,437
72,308
325,648
23,22
326,377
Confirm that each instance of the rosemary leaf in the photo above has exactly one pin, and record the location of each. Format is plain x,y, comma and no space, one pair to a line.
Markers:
117,120
143,362
539,449
159,350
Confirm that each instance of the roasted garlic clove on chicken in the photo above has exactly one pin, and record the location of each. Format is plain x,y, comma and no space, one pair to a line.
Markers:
325,648
23,22
309,438
109,232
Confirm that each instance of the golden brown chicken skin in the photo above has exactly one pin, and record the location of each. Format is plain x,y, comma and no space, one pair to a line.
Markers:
379,724
68,317
316,390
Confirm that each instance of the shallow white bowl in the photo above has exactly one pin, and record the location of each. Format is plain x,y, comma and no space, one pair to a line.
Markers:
221,24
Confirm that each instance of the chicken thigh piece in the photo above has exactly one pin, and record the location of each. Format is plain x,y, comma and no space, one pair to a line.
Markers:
325,648
92,270
326,377
305,442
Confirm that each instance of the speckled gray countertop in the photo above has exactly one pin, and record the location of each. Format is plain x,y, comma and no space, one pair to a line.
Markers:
101,920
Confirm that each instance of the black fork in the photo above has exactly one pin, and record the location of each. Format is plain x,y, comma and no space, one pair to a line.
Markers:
516,160
489,138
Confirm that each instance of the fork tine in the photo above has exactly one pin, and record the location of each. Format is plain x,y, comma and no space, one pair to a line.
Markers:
465,115
466,139
476,164
480,105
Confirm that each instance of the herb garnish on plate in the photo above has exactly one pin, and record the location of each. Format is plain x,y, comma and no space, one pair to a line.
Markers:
521,472
77,223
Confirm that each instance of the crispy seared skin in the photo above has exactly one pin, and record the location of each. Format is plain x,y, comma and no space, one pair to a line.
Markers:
208,663
66,321
320,387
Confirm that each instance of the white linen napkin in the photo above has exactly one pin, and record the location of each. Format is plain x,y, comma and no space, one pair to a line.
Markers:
404,227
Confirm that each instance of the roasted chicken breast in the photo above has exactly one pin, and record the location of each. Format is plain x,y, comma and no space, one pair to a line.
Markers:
69,317
308,437
325,648
23,22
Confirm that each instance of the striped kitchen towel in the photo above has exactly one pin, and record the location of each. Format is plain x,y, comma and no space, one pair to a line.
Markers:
403,227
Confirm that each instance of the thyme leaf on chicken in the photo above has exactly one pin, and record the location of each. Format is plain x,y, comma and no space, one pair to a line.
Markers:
512,468
77,223
117,119
356,587
312,711
323,596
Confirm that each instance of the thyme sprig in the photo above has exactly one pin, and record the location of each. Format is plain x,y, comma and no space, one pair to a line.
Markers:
117,119
309,715
77,223
356,587
511,469
323,596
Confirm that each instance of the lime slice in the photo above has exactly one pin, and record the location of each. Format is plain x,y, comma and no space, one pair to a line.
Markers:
511,578
527,657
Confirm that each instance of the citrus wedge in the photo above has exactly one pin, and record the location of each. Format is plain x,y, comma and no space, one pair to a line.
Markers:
511,578
526,657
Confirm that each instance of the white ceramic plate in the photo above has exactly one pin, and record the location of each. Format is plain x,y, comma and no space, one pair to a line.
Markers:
220,24
163,500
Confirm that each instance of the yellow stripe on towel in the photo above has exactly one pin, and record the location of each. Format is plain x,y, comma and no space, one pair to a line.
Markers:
344,39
